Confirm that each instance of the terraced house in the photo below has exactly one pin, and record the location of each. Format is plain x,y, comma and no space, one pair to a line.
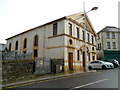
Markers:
62,38
108,43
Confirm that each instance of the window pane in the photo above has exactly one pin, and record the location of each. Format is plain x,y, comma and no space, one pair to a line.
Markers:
83,35
108,45
70,29
113,35
88,36
114,45
16,45
77,32
25,43
55,29
36,41
107,35
92,40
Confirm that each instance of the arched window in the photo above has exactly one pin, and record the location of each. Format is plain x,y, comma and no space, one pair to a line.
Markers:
36,40
10,47
16,45
25,43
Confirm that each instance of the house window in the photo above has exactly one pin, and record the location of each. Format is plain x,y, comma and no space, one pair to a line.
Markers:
88,37
108,45
93,49
36,40
83,34
78,55
92,40
113,35
77,32
114,45
25,43
16,45
55,29
10,47
98,36
100,46
108,35
70,29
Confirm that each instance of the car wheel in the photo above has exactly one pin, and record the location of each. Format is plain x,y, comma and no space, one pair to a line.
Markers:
90,68
103,67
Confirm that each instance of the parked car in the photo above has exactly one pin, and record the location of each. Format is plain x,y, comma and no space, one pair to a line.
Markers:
97,64
114,61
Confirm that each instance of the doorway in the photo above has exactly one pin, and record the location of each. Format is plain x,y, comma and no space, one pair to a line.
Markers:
83,59
70,61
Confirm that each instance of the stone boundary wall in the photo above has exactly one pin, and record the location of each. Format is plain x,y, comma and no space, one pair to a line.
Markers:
17,69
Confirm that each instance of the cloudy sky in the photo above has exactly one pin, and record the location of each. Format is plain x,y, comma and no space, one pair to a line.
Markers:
17,16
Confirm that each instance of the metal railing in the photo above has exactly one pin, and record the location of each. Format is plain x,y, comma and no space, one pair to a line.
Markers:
16,56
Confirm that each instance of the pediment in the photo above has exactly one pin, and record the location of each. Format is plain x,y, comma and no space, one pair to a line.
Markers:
79,18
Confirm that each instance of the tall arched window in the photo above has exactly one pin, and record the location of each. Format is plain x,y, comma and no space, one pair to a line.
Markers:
36,40
10,47
35,51
16,45
25,43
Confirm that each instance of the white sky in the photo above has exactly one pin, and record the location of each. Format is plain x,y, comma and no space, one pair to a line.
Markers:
17,16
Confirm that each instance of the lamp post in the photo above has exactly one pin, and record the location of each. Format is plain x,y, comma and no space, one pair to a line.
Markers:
94,8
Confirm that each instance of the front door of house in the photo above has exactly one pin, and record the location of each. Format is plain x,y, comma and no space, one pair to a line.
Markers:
83,59
70,61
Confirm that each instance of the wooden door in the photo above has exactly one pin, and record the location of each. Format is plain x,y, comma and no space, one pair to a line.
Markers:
70,61
83,60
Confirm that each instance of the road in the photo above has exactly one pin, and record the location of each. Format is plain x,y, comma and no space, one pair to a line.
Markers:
100,79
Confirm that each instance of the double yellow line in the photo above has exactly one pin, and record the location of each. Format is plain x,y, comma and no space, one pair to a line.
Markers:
46,80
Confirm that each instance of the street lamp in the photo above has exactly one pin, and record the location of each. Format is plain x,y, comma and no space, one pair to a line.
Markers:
85,51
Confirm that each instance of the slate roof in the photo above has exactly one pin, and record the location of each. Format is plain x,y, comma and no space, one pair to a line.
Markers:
110,29
74,18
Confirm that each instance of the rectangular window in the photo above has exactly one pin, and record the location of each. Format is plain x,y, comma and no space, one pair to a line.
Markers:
98,36
55,29
78,56
88,36
70,29
100,46
16,45
108,35
113,35
108,45
114,45
92,40
77,32
83,35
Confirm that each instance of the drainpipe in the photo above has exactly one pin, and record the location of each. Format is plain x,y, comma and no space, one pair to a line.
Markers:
102,44
44,44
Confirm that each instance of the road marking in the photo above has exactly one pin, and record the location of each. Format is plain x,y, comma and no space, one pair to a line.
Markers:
46,80
89,84
43,81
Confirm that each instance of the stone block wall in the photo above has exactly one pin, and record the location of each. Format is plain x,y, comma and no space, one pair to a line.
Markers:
17,69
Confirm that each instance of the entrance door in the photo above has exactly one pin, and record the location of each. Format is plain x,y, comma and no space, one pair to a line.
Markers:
70,61
83,59
35,53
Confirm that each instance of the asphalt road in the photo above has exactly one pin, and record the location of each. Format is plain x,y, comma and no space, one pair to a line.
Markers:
100,79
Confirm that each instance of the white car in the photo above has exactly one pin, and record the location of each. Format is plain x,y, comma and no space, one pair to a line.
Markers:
97,64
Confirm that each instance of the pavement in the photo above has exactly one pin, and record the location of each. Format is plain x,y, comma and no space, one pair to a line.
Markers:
50,76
